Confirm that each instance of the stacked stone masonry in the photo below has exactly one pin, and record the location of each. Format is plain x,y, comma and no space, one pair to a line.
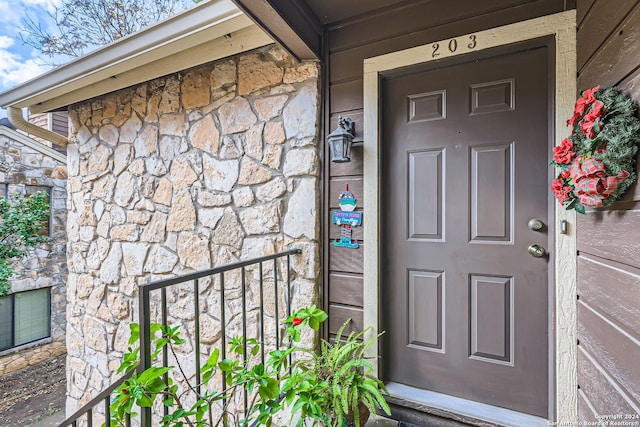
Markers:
201,168
46,265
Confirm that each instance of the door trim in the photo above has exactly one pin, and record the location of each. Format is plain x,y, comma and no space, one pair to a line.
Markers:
562,26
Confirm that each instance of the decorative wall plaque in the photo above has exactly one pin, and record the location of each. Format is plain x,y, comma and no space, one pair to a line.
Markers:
346,218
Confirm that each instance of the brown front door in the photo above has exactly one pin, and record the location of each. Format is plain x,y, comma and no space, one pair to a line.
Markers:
465,166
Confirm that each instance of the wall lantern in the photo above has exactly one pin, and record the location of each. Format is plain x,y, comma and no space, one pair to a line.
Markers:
340,140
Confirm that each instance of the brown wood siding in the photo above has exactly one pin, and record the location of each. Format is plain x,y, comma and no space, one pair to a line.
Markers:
399,26
60,123
41,120
57,122
609,240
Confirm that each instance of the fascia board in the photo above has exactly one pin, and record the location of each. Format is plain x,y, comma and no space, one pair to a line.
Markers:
240,41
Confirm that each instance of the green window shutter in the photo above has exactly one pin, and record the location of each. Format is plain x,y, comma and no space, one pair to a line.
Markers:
31,316
6,325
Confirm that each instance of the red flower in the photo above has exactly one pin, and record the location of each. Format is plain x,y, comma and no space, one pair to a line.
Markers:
557,184
581,106
561,191
573,119
562,154
588,95
588,98
296,321
595,112
563,194
587,128
578,111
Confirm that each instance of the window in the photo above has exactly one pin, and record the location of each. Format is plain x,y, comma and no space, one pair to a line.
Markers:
25,317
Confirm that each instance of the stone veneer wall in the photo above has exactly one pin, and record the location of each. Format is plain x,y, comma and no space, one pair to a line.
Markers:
46,266
197,169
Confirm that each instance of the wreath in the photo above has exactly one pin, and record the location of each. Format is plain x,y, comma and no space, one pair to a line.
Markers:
597,162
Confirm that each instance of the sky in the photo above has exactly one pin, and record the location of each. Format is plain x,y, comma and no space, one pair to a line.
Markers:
19,62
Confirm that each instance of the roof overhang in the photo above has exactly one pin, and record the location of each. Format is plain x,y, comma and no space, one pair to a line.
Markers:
291,23
209,31
33,144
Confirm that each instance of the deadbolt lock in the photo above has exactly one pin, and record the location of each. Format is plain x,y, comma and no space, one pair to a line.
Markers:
536,225
537,251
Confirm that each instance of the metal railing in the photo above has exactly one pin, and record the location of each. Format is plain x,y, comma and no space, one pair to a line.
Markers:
272,271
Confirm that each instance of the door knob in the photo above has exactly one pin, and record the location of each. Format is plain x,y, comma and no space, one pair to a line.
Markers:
536,225
537,251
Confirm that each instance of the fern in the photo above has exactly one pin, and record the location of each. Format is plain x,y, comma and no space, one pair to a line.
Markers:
347,374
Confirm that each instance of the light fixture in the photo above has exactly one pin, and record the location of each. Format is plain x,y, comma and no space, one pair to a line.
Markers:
340,140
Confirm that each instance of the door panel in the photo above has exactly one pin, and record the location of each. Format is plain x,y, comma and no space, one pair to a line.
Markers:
464,157
425,195
491,211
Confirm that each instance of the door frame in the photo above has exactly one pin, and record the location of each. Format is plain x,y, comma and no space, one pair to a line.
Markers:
563,360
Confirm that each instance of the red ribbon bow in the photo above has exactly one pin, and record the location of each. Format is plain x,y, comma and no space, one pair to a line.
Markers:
591,184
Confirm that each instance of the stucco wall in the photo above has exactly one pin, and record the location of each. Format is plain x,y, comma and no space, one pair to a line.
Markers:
197,169
45,266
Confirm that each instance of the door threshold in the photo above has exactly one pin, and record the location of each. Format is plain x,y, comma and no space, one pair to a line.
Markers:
458,409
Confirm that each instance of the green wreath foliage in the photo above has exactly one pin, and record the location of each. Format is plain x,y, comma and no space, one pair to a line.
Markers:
605,129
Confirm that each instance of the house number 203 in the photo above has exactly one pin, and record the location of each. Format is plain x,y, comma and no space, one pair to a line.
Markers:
453,45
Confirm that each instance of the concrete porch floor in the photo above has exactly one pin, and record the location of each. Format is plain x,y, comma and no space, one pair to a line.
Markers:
56,419
385,422
381,422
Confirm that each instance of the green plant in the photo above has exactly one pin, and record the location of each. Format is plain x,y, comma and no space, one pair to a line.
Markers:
334,385
22,220
328,387
143,388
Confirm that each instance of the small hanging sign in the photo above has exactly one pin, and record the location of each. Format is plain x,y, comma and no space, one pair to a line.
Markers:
346,218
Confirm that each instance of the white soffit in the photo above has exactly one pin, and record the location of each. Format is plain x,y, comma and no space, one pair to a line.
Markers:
209,31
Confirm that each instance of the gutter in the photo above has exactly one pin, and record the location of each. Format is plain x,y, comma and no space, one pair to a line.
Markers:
17,119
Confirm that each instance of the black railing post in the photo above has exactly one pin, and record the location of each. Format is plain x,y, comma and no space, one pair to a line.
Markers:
144,320
165,351
196,309
107,410
245,357
289,299
275,303
262,337
288,285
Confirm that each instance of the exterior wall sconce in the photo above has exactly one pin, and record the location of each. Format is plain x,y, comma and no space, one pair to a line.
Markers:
340,140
